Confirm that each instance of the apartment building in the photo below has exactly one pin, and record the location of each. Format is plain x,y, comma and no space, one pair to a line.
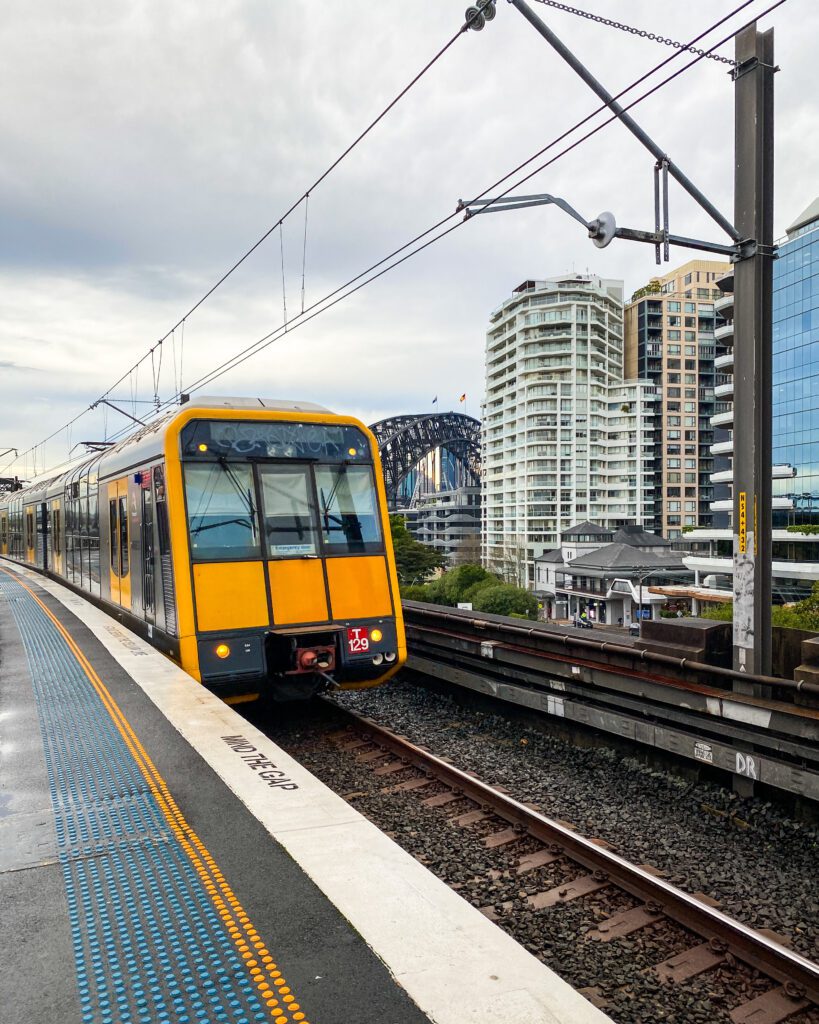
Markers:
795,409
564,437
671,339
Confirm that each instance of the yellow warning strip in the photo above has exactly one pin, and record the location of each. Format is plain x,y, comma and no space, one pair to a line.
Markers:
273,988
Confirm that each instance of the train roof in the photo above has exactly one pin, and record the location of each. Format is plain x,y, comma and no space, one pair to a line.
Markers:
141,445
279,404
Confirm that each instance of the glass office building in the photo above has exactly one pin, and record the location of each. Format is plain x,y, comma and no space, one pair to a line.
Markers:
796,370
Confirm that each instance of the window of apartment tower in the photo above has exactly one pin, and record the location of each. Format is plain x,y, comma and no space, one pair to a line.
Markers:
687,279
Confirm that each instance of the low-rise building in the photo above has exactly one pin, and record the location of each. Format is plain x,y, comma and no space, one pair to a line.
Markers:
609,575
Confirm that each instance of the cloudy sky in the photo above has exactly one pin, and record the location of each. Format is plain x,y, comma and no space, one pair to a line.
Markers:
147,145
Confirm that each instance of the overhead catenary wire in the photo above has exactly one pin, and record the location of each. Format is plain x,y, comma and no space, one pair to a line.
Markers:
377,270
333,297
373,272
249,252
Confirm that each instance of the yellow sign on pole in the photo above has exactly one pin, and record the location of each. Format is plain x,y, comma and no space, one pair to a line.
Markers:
743,522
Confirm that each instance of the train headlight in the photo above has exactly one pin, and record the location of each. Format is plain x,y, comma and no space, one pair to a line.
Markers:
376,635
378,659
203,447
352,451
390,656
222,651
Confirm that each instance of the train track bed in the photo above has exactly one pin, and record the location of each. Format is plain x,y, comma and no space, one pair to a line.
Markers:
758,865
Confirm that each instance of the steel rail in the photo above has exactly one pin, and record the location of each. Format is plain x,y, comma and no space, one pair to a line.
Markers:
751,947
643,654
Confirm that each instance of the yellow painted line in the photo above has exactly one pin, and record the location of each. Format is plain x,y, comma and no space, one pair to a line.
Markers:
273,988
243,698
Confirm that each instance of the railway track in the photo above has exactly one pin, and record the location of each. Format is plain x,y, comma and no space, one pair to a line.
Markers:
537,866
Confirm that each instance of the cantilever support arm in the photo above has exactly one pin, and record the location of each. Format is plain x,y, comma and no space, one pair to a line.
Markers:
116,408
625,117
604,228
476,206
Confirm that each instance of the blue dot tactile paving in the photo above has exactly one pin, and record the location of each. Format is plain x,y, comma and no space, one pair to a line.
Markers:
148,943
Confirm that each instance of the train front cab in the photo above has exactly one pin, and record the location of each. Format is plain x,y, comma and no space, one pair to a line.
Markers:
288,583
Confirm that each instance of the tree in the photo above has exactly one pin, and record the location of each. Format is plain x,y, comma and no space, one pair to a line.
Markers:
460,581
512,564
800,615
505,599
414,561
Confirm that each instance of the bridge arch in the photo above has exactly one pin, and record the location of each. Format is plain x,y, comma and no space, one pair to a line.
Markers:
403,441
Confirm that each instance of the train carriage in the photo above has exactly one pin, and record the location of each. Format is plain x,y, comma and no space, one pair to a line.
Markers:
247,539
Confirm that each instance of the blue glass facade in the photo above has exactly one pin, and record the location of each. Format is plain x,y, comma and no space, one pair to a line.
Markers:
796,374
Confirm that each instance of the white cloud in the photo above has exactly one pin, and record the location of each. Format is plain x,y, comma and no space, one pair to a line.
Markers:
147,145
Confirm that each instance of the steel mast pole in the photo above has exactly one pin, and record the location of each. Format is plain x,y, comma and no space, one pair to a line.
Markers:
753,302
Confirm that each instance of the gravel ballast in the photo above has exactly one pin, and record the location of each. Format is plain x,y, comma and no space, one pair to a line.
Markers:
762,865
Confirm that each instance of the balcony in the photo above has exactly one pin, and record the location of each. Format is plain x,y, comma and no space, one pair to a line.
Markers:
723,448
724,305
723,419
725,332
725,476
724,391
725,362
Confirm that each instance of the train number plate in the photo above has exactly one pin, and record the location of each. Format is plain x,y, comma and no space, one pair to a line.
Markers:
358,640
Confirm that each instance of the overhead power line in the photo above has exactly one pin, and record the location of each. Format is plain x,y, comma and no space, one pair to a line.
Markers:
379,269
304,197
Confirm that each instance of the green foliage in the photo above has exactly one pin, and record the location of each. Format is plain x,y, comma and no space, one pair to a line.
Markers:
506,599
802,615
719,612
652,288
465,578
808,530
414,561
688,529
472,583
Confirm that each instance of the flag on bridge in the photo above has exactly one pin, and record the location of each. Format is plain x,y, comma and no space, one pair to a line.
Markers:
463,397
435,400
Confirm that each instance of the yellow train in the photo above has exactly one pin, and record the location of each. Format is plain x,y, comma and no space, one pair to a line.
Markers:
246,539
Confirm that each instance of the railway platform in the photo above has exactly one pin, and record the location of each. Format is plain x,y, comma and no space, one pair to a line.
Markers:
162,860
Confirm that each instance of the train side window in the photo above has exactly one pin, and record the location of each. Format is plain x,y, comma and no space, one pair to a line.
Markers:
289,511
123,536
113,531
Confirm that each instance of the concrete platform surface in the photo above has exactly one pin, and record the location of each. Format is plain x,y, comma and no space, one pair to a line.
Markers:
161,859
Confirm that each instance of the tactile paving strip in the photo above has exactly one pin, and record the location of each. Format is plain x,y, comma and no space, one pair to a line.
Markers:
148,941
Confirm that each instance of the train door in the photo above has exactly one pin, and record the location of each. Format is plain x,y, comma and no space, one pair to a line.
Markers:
56,550
4,534
120,550
147,548
30,538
